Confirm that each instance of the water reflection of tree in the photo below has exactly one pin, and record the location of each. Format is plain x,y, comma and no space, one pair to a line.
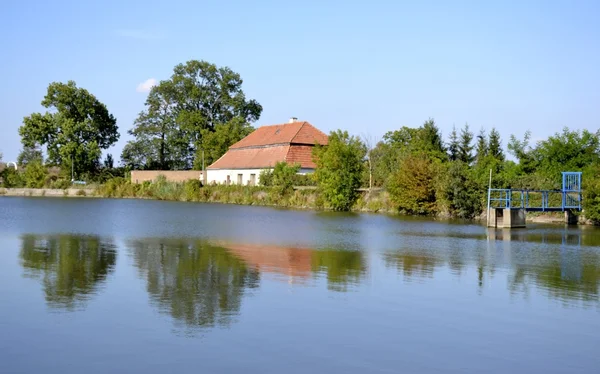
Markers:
343,268
566,281
413,265
70,266
196,283
563,272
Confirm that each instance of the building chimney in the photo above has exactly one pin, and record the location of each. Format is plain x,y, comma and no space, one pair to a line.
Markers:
293,119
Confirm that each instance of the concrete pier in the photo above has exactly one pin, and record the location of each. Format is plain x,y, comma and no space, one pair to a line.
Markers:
506,218
571,218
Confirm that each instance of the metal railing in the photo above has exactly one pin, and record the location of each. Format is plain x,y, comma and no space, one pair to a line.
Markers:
535,200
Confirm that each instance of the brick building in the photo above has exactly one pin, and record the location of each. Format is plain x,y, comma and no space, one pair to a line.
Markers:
291,142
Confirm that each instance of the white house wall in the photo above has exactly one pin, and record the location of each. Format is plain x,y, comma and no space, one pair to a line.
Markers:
219,176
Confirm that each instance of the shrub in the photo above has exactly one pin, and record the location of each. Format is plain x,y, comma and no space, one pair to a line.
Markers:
591,195
192,189
164,190
59,184
412,185
339,169
11,178
304,180
461,192
113,187
266,177
284,175
35,175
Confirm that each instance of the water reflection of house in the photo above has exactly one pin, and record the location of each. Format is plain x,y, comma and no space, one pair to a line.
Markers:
293,263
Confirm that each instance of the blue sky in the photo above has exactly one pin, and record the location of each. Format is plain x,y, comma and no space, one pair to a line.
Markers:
365,66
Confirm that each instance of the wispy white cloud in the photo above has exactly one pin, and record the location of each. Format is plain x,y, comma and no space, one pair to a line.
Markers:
138,34
146,85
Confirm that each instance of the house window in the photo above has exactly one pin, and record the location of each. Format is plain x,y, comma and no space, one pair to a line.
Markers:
240,180
253,179
228,182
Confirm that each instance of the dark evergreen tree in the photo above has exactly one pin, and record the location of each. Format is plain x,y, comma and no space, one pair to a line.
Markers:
482,146
465,146
495,145
453,145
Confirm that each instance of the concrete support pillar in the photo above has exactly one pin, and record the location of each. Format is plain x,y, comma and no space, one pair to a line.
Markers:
506,218
492,218
513,218
570,217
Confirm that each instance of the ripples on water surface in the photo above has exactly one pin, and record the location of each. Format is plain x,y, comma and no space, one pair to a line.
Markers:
128,286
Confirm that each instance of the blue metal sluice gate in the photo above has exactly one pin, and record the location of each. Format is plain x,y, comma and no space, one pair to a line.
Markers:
568,198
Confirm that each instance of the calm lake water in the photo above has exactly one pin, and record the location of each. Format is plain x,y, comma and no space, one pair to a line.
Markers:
129,286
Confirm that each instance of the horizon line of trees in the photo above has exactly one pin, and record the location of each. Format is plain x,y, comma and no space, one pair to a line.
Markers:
201,110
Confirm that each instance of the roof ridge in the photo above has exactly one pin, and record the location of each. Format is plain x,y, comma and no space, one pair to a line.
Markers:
297,132
318,130
273,125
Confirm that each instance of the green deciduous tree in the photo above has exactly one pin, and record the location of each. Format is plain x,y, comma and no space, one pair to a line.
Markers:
109,162
30,154
462,192
412,186
569,150
198,99
217,141
370,144
425,141
522,151
339,168
591,198
158,142
77,127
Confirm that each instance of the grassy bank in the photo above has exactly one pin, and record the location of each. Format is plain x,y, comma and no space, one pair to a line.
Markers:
377,201
193,191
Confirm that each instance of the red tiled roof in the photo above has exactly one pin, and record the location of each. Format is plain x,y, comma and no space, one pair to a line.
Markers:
289,142
265,157
301,154
287,133
308,134
251,158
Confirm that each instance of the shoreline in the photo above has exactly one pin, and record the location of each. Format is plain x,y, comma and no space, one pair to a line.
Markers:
547,218
47,192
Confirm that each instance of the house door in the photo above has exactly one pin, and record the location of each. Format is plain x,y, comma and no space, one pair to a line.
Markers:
253,179
240,179
228,180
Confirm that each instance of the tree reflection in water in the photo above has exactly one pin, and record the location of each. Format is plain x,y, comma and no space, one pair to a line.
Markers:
202,285
70,267
565,266
198,284
341,267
